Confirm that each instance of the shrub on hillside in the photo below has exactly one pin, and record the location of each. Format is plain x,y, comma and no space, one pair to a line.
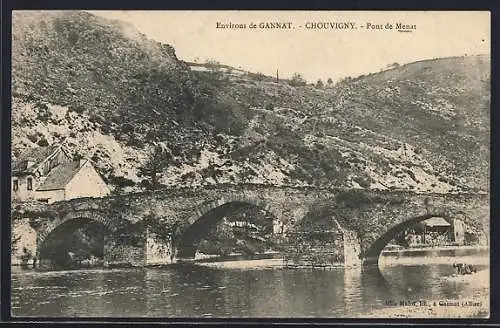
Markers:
42,142
228,116
353,199
297,80
121,181
364,182
32,137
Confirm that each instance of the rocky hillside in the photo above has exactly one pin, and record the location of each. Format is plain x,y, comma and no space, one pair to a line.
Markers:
112,95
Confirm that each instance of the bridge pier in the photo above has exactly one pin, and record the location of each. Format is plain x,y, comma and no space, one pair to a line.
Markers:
351,248
339,247
120,253
159,250
23,242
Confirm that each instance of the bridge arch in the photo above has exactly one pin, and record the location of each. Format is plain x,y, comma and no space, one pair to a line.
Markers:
230,198
94,215
209,214
69,223
372,255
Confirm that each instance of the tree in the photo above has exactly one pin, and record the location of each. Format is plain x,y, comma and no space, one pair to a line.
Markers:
213,66
319,84
120,183
393,65
43,142
345,80
330,81
270,106
297,80
159,159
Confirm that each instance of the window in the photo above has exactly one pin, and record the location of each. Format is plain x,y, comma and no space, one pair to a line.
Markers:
29,182
15,185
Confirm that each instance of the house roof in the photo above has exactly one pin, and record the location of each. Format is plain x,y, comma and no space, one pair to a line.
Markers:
436,222
34,155
60,176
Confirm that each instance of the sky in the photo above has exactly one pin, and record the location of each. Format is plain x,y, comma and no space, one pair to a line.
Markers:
314,53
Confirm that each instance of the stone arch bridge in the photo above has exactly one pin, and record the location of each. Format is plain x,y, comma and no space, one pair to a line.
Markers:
375,216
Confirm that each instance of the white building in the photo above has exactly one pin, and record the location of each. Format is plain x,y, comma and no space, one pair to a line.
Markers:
50,174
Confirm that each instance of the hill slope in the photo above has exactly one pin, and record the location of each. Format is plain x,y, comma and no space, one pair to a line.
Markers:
109,93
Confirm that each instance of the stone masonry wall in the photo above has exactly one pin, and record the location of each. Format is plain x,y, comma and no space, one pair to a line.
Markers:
369,213
158,252
119,254
23,236
338,247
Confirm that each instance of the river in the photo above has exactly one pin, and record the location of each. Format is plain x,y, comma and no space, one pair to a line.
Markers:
255,288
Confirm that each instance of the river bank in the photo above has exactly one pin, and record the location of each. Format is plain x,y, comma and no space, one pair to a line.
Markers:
439,255
244,264
475,255
386,261
435,248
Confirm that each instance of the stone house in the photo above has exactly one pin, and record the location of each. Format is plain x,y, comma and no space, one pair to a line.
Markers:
50,174
437,231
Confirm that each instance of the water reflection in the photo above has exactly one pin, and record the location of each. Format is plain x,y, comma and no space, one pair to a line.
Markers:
189,290
352,284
